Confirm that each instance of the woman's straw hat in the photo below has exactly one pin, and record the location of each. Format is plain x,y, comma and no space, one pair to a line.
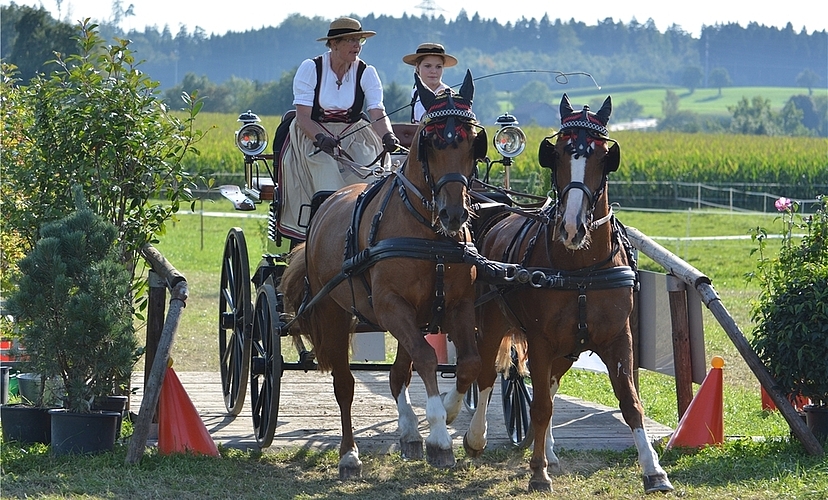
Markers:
345,26
430,49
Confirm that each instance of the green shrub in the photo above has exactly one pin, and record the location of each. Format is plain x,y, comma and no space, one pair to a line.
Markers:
73,307
791,313
96,122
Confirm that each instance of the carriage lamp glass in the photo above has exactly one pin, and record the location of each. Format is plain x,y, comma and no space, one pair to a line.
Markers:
509,141
251,139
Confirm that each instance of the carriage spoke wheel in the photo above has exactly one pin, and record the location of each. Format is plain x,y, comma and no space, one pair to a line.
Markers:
235,313
472,397
516,402
266,364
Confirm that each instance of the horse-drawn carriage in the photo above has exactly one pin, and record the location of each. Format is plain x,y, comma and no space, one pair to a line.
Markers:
403,254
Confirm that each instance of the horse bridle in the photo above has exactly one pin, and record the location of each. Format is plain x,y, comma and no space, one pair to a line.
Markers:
447,135
443,125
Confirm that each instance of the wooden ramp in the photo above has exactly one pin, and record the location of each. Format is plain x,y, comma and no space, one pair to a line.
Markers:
309,416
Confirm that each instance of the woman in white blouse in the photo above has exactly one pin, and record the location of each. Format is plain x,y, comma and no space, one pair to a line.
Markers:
330,92
428,61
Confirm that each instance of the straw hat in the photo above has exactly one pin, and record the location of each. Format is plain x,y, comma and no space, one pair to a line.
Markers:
430,49
345,26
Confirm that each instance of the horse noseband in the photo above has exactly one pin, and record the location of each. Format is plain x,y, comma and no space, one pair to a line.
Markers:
450,177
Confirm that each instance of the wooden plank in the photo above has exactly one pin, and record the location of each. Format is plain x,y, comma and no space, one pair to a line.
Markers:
309,415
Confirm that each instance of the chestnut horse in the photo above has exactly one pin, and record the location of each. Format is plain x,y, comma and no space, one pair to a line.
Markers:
404,239
580,296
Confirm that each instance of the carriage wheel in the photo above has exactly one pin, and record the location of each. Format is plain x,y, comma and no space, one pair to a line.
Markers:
516,402
266,367
235,313
471,398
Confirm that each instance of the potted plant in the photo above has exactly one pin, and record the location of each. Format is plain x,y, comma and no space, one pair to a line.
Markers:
73,306
791,317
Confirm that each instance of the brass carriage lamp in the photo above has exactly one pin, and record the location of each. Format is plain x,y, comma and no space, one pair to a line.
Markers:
251,138
509,141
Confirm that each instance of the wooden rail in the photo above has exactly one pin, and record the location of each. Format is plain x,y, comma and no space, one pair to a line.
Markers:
159,342
690,275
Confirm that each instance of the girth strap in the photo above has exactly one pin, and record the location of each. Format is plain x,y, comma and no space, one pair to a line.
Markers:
438,306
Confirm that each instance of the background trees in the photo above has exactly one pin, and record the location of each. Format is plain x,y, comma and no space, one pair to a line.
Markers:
254,70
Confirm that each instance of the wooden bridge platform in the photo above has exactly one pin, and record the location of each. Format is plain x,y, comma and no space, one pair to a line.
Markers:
309,417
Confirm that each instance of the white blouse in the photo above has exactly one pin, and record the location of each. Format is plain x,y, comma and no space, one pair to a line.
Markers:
332,96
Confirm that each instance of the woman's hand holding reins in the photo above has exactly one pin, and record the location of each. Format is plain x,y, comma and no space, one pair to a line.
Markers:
390,142
325,143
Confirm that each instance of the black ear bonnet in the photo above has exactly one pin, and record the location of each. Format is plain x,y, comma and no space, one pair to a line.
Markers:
446,115
582,128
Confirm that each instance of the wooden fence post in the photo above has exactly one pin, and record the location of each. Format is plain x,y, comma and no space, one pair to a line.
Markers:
156,307
152,389
682,361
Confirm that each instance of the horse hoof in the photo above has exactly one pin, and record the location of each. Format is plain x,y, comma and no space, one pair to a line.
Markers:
411,450
540,486
471,452
554,468
348,472
440,458
657,482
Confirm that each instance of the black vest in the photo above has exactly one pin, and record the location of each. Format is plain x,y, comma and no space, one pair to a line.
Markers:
355,111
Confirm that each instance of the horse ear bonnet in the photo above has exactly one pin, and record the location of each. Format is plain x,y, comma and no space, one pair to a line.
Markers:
613,158
547,154
481,144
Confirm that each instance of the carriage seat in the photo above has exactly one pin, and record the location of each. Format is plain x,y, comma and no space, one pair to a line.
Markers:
405,132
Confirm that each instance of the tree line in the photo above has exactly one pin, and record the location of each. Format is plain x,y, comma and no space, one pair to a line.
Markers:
254,69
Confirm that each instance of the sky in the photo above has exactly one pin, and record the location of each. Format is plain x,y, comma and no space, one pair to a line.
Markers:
690,16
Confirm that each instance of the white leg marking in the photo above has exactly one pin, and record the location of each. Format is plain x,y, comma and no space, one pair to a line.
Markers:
477,435
647,458
350,460
407,420
452,401
550,441
436,416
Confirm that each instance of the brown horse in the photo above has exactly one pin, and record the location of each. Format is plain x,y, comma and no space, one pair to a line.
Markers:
403,239
580,296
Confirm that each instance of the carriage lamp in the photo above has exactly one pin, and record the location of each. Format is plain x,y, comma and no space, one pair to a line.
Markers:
251,138
509,140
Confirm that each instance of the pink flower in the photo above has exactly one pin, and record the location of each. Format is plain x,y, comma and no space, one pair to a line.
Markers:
783,204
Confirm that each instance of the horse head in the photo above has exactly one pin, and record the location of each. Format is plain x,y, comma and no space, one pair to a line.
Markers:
450,142
581,160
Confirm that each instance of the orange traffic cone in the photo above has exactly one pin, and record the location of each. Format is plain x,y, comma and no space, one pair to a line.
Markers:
703,422
797,401
180,429
439,342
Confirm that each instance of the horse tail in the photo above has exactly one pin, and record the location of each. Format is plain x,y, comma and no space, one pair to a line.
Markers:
293,288
312,322
514,339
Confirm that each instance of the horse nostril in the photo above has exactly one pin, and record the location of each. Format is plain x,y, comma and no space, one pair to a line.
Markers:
563,232
444,217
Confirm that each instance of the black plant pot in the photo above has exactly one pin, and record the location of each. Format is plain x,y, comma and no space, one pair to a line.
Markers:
816,417
113,403
79,433
26,424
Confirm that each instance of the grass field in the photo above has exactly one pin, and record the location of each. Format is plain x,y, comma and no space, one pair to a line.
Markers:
773,468
701,101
